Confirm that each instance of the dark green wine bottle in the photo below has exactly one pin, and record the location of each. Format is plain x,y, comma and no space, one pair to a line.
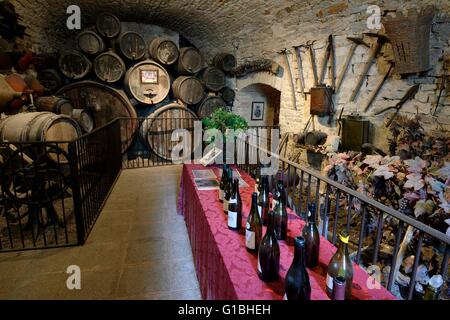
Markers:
253,228
312,238
227,190
281,216
235,208
269,253
263,201
223,181
297,284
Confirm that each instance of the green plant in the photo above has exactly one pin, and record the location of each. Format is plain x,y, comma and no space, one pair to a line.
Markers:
221,120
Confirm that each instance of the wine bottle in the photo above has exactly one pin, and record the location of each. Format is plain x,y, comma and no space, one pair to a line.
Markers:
297,286
227,190
223,181
281,216
253,228
263,201
269,253
235,208
311,235
341,266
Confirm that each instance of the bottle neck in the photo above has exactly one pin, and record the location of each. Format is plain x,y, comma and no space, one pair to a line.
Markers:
299,255
254,203
312,217
235,188
343,248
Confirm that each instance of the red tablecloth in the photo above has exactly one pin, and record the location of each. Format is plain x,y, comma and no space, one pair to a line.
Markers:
226,270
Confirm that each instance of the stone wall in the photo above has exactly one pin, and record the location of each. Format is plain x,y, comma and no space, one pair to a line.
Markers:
257,28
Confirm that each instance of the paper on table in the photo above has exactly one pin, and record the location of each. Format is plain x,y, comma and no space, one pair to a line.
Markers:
204,174
206,184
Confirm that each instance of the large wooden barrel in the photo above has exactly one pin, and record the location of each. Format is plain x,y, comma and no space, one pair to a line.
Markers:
74,65
225,61
148,82
228,95
132,46
108,25
40,126
54,104
84,119
209,105
190,61
157,129
51,79
109,67
90,42
190,90
213,78
163,50
105,104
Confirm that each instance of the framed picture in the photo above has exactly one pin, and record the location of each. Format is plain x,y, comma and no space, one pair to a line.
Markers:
149,76
257,110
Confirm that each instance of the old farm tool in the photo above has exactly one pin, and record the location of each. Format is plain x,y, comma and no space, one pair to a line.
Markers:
312,58
328,53
441,89
291,78
298,54
380,42
355,43
378,88
409,94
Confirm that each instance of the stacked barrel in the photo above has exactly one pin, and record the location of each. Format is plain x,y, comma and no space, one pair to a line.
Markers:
120,73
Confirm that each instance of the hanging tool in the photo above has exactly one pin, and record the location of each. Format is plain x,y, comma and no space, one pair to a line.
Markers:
351,52
312,58
291,78
378,88
441,89
381,40
300,69
326,57
409,94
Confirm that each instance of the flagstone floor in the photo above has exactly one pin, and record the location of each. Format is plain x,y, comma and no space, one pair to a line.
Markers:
138,249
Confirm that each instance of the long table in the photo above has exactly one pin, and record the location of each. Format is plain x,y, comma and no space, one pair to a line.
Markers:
226,270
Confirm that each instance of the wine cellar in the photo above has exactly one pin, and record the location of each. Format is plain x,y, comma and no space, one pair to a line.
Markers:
225,150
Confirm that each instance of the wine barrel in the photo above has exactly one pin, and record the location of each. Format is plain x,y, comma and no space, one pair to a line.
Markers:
213,78
51,79
209,105
156,130
109,67
40,126
54,104
163,50
84,119
105,104
132,46
108,25
228,95
190,61
190,90
90,42
74,65
224,61
148,82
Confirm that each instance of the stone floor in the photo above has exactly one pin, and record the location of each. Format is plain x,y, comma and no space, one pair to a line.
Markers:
138,249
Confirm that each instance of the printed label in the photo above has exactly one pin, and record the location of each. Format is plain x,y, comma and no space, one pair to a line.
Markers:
249,238
232,201
220,194
259,211
225,205
329,282
232,219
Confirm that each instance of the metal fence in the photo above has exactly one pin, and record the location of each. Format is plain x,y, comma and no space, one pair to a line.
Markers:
339,208
52,192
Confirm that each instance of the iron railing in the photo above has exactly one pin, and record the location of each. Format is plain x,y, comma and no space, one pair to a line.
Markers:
52,192
339,207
